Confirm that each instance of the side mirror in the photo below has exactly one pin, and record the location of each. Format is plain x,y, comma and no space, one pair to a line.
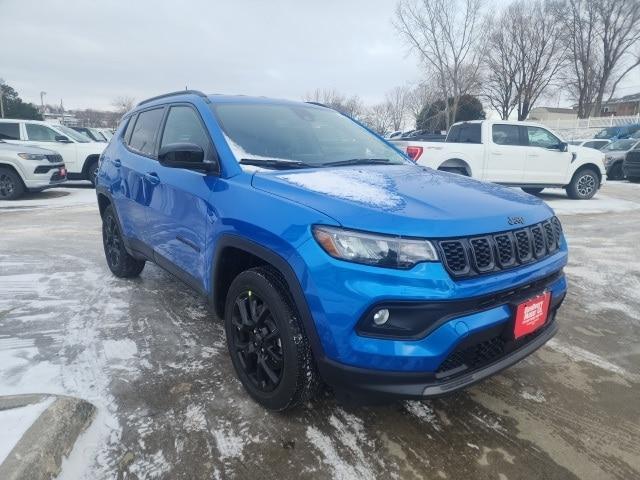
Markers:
561,147
185,155
62,139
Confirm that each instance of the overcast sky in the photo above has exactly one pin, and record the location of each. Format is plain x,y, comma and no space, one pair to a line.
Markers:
88,53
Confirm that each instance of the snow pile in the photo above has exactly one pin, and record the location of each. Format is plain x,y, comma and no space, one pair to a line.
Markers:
361,186
16,421
52,198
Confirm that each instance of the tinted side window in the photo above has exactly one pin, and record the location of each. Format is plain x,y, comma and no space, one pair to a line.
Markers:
144,131
40,133
9,131
539,137
465,133
506,134
184,126
127,132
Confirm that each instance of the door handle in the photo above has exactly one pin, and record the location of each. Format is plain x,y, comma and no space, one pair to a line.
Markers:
117,163
152,177
497,154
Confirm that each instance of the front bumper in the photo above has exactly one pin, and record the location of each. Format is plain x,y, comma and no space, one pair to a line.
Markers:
46,176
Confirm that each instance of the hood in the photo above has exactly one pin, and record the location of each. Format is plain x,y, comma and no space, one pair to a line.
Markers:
406,200
17,148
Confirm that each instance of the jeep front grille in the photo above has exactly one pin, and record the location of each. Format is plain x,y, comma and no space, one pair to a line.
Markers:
470,256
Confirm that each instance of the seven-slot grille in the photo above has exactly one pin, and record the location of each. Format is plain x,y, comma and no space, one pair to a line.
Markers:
471,256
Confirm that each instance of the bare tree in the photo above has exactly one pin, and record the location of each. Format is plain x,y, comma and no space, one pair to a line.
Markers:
351,106
449,36
603,39
123,104
397,100
538,48
499,86
422,94
379,118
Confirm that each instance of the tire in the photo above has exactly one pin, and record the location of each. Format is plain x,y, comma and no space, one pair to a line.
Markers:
616,173
92,172
120,262
533,191
267,344
11,186
584,184
634,179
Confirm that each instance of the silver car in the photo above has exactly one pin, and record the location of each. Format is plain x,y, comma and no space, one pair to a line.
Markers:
614,155
28,169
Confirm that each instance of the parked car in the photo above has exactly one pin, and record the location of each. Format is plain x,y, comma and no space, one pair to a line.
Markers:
395,134
590,143
106,132
91,133
631,166
329,254
617,132
421,135
80,155
28,169
520,154
614,154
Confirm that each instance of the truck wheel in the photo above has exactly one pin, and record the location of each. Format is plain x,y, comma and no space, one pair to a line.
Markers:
584,184
120,262
267,344
533,191
92,172
616,173
11,186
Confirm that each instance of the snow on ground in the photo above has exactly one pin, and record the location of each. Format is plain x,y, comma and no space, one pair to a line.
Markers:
601,203
52,198
16,421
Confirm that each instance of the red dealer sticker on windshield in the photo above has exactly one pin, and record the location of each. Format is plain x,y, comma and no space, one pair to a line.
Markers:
532,314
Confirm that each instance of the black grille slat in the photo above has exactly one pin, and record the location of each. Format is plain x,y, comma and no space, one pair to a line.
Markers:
523,246
500,251
482,253
455,256
506,252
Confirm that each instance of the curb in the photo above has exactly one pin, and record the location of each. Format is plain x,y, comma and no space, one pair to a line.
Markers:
39,453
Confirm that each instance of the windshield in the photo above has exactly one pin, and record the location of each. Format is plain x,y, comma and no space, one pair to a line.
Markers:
607,133
72,134
625,144
299,135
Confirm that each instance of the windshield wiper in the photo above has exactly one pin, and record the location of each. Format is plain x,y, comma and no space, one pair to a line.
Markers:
357,161
275,163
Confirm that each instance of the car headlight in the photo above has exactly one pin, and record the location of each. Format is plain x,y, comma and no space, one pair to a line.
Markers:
373,249
32,156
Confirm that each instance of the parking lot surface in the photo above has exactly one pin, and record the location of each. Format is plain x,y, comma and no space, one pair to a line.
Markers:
151,356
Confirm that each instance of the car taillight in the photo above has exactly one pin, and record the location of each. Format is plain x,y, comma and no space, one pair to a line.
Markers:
414,153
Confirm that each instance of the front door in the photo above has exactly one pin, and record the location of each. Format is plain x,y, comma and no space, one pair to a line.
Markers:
179,202
546,162
42,136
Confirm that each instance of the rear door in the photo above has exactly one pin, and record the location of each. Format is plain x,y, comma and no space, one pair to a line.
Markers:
133,158
507,154
546,162
179,198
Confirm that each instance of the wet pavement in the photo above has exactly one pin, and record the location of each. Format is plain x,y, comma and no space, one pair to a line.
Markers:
152,358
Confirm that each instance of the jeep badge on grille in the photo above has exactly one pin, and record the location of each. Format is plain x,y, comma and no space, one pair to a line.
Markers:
516,220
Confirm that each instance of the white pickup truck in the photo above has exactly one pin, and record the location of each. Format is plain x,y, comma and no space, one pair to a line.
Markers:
520,154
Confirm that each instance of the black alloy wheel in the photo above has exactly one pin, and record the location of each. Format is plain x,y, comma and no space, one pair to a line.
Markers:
256,341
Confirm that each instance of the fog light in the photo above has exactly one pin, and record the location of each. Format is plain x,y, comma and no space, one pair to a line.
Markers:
381,316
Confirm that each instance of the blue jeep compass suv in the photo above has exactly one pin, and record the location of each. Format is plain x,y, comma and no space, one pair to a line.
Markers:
330,256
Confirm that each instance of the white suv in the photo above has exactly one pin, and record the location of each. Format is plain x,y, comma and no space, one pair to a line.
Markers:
24,168
80,155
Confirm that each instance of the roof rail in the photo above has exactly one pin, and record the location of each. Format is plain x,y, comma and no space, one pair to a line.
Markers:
318,104
179,92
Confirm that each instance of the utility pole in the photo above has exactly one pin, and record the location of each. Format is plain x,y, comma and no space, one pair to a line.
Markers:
42,94
1,101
